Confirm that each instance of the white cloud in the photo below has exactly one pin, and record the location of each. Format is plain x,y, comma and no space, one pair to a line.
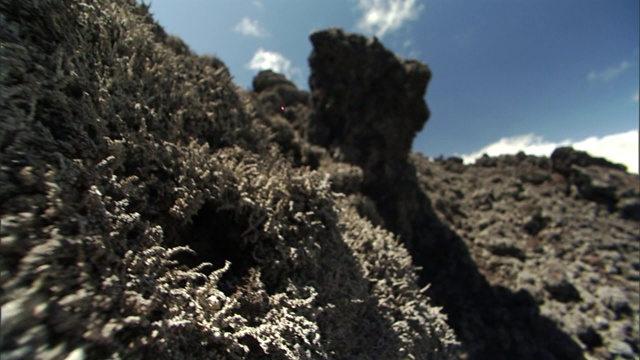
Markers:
250,27
529,143
383,16
636,97
609,73
271,60
619,148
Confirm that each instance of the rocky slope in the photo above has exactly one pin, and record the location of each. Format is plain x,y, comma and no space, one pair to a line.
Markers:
151,208
557,239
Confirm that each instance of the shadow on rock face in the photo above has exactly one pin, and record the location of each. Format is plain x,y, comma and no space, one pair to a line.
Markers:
492,322
350,82
217,236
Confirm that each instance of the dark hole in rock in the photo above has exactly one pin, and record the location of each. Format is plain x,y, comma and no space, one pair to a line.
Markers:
216,236
630,209
74,89
91,131
113,128
590,337
253,345
536,223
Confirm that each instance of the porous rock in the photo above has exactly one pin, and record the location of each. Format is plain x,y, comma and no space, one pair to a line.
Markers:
369,101
152,209
579,253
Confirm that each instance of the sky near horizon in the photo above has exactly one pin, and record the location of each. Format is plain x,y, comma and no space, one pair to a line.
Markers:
508,75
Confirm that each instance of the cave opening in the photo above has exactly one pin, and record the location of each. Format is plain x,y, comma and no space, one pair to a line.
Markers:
215,235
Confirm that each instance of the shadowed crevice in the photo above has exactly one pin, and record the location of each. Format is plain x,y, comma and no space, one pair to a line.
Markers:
215,236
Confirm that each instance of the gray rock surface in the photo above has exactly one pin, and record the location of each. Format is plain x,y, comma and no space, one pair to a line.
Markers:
579,246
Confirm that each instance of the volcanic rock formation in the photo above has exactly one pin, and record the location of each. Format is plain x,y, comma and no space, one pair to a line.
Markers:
552,252
151,208
354,83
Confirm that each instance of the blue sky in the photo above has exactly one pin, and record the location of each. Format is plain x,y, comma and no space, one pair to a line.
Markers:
507,74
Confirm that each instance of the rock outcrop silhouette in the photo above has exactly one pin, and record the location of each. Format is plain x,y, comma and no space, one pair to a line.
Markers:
354,83
153,209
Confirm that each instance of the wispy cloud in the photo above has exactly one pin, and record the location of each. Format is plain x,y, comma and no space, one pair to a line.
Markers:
250,27
636,97
384,16
609,73
529,143
258,4
271,60
619,148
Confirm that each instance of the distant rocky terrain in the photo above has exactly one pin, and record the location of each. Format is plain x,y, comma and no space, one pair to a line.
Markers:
153,209
557,239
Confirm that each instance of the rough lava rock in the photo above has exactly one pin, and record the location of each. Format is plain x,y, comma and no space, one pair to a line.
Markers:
152,209
369,102
598,180
580,252
369,105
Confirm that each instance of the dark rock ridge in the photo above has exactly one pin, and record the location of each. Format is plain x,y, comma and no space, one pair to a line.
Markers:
368,108
366,98
151,208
